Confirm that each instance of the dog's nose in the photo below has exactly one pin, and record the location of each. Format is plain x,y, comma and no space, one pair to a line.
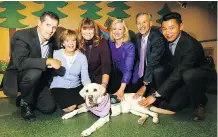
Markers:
90,96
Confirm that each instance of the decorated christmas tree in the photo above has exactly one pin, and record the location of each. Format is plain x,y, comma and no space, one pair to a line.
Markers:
51,6
165,10
91,8
118,12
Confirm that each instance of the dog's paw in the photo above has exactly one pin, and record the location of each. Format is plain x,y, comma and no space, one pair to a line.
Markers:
86,132
142,119
66,116
156,120
69,115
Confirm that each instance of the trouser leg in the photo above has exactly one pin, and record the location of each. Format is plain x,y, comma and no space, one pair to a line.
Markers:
45,102
196,80
27,83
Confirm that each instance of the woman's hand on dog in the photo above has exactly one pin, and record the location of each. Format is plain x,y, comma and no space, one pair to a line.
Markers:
120,94
140,92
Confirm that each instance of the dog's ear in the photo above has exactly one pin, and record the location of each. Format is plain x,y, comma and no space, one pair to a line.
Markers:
83,92
102,90
102,93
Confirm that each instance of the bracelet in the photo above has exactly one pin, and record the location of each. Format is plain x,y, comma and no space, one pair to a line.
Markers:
146,84
104,83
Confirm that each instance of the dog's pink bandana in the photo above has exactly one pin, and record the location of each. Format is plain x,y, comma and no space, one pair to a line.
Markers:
101,109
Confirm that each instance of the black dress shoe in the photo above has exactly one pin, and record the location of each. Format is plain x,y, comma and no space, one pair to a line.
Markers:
26,111
18,99
198,114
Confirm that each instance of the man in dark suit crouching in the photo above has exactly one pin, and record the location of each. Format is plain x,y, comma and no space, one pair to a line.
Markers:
187,70
28,71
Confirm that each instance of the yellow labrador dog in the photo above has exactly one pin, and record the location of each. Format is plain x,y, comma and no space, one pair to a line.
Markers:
98,102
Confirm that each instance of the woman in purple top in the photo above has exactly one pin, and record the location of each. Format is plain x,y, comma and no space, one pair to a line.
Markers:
123,55
96,50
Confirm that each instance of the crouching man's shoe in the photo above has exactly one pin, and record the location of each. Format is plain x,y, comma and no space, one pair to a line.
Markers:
18,99
26,111
198,114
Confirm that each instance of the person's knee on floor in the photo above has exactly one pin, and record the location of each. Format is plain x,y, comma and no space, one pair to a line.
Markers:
48,109
197,97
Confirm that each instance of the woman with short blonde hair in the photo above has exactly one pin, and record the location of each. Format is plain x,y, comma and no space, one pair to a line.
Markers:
126,30
123,55
73,74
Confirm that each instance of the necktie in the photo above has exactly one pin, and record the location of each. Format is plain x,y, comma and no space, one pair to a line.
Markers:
142,58
171,47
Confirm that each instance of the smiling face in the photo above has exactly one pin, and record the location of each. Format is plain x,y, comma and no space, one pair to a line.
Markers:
118,31
47,28
143,24
88,33
70,43
171,29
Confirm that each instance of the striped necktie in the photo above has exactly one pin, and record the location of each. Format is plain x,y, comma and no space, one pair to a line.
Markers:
142,57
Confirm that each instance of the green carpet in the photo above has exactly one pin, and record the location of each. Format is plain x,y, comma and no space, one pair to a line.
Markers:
125,125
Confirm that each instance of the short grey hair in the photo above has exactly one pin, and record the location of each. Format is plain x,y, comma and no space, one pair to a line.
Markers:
144,13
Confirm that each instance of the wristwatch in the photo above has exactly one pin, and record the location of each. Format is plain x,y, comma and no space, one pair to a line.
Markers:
146,84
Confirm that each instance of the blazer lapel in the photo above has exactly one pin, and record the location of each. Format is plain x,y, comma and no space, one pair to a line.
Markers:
50,50
179,47
148,46
139,44
178,50
36,41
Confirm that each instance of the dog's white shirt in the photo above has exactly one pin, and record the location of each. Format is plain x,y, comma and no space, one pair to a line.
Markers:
94,95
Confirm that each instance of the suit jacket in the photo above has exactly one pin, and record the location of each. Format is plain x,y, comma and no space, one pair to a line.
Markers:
188,54
156,46
25,54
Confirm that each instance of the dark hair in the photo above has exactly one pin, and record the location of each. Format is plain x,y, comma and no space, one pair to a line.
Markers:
50,14
87,23
173,15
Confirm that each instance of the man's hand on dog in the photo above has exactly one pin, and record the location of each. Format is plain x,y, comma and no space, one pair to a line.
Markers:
140,92
147,101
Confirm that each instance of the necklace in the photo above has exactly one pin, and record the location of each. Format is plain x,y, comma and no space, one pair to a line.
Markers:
70,59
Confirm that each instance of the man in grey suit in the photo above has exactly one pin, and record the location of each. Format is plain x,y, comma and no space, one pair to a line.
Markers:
150,48
188,71
30,66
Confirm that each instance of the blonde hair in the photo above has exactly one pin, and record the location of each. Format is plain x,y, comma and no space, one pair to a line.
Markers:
126,30
67,33
87,23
